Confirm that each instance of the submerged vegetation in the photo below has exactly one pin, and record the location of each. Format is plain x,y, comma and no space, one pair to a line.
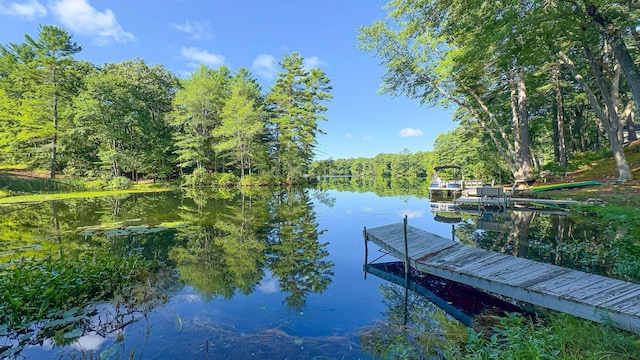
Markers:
55,298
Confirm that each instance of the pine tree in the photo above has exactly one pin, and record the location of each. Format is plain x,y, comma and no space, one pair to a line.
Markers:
295,103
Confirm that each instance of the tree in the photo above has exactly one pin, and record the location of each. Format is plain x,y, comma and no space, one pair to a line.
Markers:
485,57
40,80
463,55
616,23
241,121
123,110
295,103
197,111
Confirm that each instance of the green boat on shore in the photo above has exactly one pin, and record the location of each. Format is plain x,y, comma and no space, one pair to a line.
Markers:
560,186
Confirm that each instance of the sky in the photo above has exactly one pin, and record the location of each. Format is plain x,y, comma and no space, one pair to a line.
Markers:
251,34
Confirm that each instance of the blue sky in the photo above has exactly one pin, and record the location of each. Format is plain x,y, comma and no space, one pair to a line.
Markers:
254,34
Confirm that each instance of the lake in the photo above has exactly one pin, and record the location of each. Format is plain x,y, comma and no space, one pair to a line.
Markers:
259,274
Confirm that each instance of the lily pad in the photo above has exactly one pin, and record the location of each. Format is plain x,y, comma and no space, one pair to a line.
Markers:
108,353
73,333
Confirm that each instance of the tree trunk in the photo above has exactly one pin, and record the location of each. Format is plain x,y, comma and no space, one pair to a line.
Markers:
629,69
522,132
613,34
114,160
561,230
608,118
521,138
556,141
624,170
520,232
241,165
561,148
631,129
54,140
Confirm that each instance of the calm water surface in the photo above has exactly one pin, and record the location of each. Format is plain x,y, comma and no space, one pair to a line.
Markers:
263,275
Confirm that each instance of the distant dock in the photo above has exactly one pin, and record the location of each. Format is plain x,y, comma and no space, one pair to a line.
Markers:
507,201
581,294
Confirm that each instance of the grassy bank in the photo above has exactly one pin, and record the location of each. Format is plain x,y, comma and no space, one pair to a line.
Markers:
19,185
73,195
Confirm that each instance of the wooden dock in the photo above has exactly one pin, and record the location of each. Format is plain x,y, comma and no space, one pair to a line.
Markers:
581,294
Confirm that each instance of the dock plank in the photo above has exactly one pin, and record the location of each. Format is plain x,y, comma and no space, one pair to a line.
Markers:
589,296
487,260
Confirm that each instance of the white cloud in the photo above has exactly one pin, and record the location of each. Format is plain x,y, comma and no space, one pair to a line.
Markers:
412,214
189,298
198,56
312,63
30,9
348,136
90,342
265,65
410,132
79,16
198,30
269,286
367,138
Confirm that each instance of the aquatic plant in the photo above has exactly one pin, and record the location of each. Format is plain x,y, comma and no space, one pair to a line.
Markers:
555,336
55,297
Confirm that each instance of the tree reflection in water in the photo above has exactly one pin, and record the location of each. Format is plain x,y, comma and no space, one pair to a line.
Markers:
219,242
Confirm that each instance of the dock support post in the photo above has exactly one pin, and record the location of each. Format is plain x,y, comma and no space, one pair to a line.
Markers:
406,248
366,251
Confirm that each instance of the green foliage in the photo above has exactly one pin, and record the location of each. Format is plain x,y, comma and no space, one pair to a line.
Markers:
54,297
406,164
227,180
579,160
108,182
242,122
39,82
199,177
139,121
196,113
295,104
622,225
259,180
122,112
561,336
23,184
119,182
29,290
498,65
100,183
296,256
512,338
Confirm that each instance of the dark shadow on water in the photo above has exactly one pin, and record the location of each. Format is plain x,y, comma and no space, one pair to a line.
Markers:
466,304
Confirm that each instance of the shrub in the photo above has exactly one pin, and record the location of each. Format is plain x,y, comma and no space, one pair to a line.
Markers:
199,177
119,182
95,184
258,180
227,179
